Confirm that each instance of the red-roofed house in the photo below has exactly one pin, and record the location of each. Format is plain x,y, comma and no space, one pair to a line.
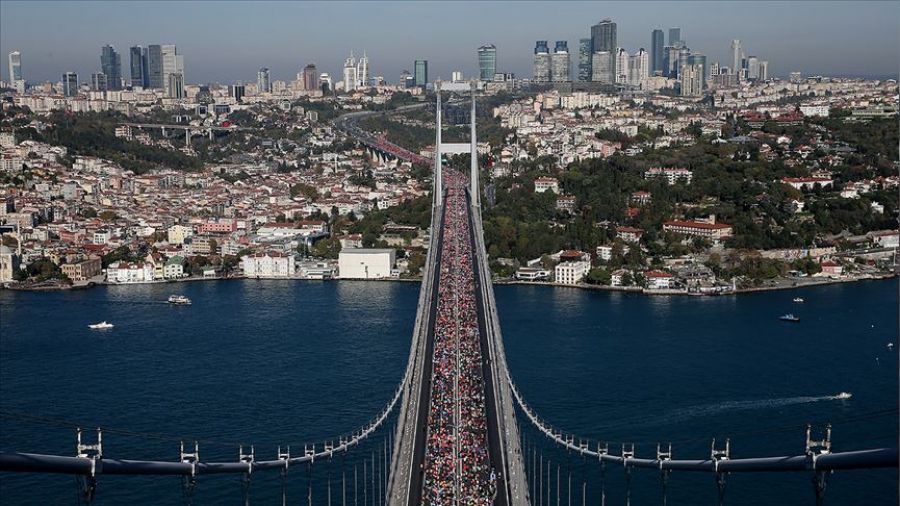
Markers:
658,280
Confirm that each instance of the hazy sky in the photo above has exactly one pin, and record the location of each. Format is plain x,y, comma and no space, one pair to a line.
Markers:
229,41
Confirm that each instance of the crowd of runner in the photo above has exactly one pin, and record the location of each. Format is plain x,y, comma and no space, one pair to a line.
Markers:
457,465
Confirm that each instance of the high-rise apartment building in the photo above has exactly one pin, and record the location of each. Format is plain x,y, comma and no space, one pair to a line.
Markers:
362,71
15,67
657,43
752,68
237,91
560,63
675,37
175,85
584,59
691,79
699,60
99,81
638,68
350,73
487,62
310,77
70,84
603,67
420,71
139,68
111,65
541,62
263,81
623,59
737,56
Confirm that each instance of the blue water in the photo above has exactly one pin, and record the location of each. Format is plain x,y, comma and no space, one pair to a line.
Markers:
269,363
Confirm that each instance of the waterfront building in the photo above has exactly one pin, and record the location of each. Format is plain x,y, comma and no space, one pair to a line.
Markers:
559,63
584,59
658,280
366,263
174,268
10,263
130,272
83,270
542,65
268,264
70,84
487,62
111,66
571,273
656,51
421,72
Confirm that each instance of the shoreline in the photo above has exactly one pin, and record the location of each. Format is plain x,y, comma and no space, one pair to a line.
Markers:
581,286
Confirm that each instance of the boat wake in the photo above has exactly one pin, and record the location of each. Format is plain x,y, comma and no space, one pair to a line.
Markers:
706,410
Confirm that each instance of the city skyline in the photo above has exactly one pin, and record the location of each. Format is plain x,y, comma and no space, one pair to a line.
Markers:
235,51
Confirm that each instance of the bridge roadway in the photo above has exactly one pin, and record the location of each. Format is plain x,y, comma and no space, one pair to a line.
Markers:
408,464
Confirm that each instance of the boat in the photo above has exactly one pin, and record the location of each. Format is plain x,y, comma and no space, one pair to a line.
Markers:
799,299
890,346
843,395
180,300
789,318
101,326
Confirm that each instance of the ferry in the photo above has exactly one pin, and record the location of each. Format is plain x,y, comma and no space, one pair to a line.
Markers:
101,326
180,300
799,299
789,318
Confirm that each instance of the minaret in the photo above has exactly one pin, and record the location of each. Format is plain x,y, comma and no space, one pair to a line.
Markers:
473,177
438,178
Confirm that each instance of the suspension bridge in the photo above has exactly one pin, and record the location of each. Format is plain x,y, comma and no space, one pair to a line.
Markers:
454,430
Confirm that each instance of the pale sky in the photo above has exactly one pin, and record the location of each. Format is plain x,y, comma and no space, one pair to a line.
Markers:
228,41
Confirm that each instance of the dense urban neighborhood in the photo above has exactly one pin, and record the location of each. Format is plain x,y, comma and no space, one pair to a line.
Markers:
754,185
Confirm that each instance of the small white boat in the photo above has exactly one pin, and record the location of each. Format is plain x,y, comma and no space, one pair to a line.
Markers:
843,395
101,326
799,299
789,318
890,346
180,300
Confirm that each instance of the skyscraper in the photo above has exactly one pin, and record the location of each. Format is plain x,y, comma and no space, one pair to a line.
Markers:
752,68
541,62
263,81
362,71
70,84
139,67
163,60
602,67
155,67
675,37
175,85
638,68
737,55
560,66
421,72
657,43
699,60
691,79
310,77
487,62
237,91
584,59
111,65
350,73
603,38
15,67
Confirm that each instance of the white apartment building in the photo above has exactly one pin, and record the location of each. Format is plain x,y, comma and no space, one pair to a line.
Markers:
543,184
269,264
571,273
176,234
671,175
366,263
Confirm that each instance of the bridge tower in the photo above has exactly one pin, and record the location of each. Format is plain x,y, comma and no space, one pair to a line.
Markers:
473,177
438,181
